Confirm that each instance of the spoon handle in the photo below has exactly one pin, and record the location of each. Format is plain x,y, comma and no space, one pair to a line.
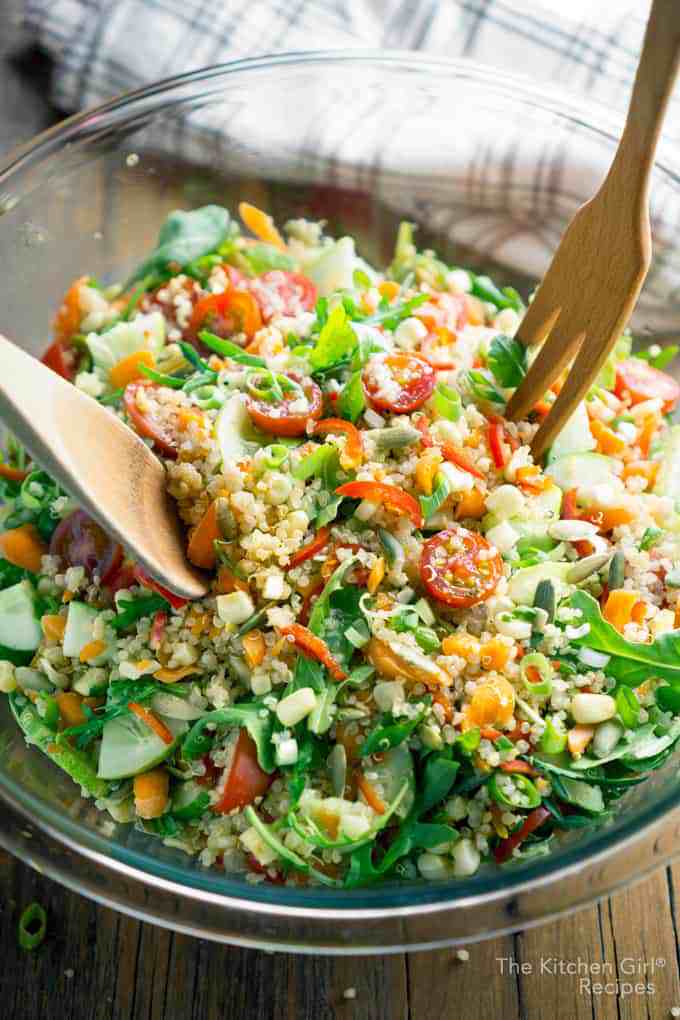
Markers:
654,81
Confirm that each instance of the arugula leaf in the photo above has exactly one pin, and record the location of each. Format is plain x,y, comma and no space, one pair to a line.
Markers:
118,696
352,400
10,574
307,828
392,315
269,835
134,609
185,236
630,662
507,359
253,715
336,341
389,733
482,388
344,613
322,607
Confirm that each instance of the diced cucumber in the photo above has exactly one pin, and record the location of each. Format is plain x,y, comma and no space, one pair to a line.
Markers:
583,795
532,525
19,623
575,437
581,469
396,768
80,632
334,268
129,746
91,683
145,333
190,801
668,479
234,431
522,585
175,707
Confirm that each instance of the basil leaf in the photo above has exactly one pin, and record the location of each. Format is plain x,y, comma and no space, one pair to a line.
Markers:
507,359
185,236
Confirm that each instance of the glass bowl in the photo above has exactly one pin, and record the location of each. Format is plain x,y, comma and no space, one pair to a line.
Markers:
491,167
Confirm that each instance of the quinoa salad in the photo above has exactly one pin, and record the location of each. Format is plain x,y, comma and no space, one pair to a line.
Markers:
421,653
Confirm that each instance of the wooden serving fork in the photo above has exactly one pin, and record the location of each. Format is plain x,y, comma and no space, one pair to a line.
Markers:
597,272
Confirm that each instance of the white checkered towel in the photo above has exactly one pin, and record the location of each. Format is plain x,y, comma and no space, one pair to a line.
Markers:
102,47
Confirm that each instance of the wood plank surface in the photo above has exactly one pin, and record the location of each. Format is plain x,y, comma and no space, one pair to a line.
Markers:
98,965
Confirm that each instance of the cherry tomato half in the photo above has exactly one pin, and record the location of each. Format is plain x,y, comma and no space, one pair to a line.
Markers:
80,542
233,311
245,779
280,292
282,418
641,381
61,359
400,383
146,423
460,568
142,577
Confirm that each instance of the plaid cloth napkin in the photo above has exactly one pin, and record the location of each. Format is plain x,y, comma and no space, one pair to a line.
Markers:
102,47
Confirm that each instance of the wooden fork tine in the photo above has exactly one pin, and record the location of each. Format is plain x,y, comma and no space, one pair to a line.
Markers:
588,363
539,317
556,353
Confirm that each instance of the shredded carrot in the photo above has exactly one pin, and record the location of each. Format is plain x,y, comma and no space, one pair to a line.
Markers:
579,737
127,369
254,647
201,550
522,767
261,225
607,440
159,728
465,646
171,676
70,707
151,793
53,626
12,474
376,575
91,650
23,547
371,795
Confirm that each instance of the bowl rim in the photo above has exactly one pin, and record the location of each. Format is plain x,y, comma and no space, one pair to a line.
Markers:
338,904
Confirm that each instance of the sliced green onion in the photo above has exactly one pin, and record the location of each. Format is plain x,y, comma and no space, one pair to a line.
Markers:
32,926
650,538
427,639
396,437
359,676
161,378
111,398
673,578
265,385
274,456
313,464
430,504
200,379
543,687
628,707
394,552
447,402
195,359
208,397
616,570
554,737
424,611
529,795
358,634
48,710
229,350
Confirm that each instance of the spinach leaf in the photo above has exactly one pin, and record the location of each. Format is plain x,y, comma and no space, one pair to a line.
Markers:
439,776
507,359
253,715
344,613
185,236
336,341
322,607
10,575
630,662
389,733
134,609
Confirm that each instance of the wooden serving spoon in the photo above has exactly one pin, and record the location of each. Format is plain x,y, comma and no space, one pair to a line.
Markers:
597,272
100,462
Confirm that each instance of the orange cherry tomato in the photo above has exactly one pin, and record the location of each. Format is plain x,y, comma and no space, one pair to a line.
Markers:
379,492
245,779
278,418
460,568
144,423
410,382
638,380
233,311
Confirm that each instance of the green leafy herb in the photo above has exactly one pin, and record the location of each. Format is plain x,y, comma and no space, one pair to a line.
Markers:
352,400
389,733
253,715
322,607
628,706
336,341
269,835
484,288
262,257
507,359
132,610
118,696
185,236
229,350
392,314
10,574
482,388
660,359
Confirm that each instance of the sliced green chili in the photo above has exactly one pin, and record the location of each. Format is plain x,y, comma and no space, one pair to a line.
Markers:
32,926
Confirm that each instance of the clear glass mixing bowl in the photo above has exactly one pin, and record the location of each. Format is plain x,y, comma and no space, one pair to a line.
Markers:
491,167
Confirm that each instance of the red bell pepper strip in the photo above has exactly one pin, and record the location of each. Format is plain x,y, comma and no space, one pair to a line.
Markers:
534,819
319,542
313,647
449,451
354,450
379,492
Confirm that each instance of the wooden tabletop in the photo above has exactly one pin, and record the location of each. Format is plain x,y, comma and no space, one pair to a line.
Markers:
616,960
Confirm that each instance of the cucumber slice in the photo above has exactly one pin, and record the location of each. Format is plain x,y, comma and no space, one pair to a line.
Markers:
80,632
130,747
580,469
522,585
532,526
91,683
575,437
668,478
190,801
145,333
19,625
396,768
234,431
175,707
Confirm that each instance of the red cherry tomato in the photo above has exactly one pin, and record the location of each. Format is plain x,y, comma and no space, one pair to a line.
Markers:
280,292
460,568
162,300
245,780
233,311
144,422
122,577
276,417
61,359
80,542
140,575
640,381
400,383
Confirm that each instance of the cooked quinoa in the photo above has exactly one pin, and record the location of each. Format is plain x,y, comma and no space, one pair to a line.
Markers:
421,652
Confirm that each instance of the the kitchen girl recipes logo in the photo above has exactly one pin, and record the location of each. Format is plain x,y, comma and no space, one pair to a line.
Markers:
630,976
